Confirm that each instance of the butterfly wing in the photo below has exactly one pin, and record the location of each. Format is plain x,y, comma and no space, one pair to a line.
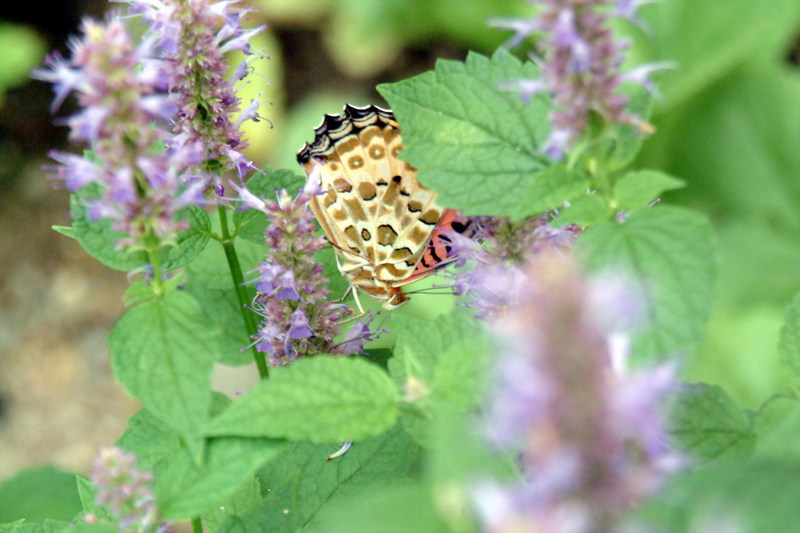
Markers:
374,210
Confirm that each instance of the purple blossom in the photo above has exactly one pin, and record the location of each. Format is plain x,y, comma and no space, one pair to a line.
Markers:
298,320
124,492
580,65
493,272
194,38
591,440
122,119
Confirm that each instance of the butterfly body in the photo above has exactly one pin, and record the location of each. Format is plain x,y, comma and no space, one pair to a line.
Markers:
381,221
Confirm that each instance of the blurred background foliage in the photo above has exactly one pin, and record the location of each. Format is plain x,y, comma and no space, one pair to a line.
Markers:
727,120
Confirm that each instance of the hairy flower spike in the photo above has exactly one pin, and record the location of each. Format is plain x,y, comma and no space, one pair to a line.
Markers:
141,186
194,37
592,440
580,65
298,321
124,492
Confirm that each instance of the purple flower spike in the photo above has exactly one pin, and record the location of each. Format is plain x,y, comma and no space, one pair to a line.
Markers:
124,492
298,321
580,65
591,441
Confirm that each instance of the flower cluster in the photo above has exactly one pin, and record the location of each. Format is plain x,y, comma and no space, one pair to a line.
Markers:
123,492
298,321
194,37
580,65
591,437
119,87
496,269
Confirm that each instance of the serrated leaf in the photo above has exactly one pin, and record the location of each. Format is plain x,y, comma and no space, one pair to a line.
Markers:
185,489
189,242
222,308
669,251
473,142
322,399
149,439
100,241
436,362
552,187
709,424
160,352
585,210
299,482
638,188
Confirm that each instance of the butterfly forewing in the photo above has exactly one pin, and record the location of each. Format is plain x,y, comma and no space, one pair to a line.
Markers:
374,211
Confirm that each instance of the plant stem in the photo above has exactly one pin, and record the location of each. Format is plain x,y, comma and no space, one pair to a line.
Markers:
241,293
153,247
197,525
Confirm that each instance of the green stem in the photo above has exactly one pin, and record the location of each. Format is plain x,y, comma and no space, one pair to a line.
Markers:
241,293
153,247
197,525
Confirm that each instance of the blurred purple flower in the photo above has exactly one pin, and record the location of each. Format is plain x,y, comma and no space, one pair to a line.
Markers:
124,492
141,188
580,65
194,38
298,320
592,441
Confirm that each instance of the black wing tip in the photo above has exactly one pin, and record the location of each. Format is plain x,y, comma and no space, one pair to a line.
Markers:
350,113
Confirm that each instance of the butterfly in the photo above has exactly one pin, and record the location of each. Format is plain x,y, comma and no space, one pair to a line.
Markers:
386,227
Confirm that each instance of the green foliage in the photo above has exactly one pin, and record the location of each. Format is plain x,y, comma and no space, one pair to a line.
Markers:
475,143
160,353
299,482
323,399
38,494
669,252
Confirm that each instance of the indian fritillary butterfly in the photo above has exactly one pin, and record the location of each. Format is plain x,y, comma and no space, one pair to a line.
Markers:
386,227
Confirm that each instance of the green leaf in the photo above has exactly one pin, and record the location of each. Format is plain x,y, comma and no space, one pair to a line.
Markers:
98,239
222,308
37,494
668,250
160,352
709,424
585,210
149,438
190,242
777,425
299,482
210,269
757,496
67,231
397,508
638,188
322,399
473,142
790,338
441,361
185,489
552,187
247,496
